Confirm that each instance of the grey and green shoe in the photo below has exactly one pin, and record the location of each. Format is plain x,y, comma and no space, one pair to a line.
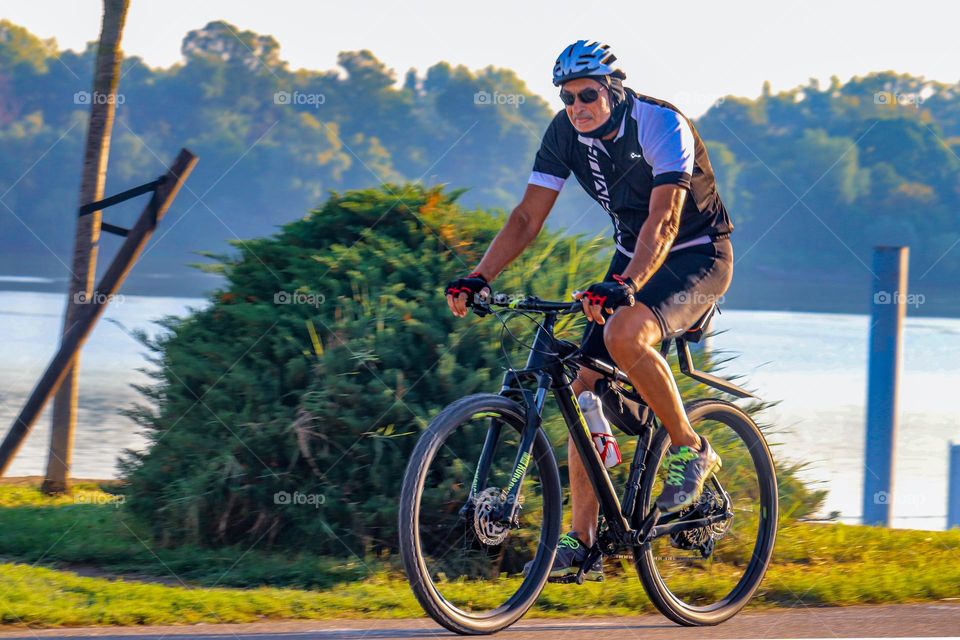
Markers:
687,471
571,552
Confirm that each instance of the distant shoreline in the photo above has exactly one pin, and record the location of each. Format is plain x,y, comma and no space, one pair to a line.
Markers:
36,481
749,293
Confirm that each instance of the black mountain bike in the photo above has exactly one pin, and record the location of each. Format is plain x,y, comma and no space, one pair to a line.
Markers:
482,499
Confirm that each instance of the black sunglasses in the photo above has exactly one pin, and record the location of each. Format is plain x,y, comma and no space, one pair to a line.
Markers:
586,96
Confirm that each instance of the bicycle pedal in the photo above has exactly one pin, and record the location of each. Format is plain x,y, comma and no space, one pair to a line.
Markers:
570,578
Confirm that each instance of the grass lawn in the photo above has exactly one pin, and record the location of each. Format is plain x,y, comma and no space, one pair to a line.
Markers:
45,543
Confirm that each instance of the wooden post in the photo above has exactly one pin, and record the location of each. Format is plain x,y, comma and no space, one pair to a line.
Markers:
953,486
102,110
77,333
886,348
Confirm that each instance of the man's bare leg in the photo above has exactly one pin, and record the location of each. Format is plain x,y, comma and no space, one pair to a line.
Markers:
584,507
630,335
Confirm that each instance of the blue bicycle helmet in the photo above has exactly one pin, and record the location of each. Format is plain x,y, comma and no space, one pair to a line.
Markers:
582,59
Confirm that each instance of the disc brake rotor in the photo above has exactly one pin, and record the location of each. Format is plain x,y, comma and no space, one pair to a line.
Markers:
487,506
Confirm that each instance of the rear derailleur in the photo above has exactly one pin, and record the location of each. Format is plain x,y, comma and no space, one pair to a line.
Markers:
712,501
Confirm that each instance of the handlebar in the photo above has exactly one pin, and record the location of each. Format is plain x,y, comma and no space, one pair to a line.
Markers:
482,305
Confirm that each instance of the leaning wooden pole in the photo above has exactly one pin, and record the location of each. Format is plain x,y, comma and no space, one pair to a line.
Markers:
99,128
77,333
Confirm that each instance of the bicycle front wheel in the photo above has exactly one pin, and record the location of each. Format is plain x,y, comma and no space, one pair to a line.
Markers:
473,571
706,575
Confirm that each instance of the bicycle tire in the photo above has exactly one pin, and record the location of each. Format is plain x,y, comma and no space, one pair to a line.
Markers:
663,599
433,603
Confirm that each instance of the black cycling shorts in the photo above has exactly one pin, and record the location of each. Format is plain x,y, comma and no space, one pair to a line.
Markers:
678,293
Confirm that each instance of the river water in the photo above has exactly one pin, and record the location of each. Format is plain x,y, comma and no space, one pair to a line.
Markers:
813,363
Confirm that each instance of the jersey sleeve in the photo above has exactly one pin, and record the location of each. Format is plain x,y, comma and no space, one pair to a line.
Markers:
550,170
668,146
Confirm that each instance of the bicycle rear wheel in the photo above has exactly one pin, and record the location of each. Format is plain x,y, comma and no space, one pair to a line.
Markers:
705,576
465,566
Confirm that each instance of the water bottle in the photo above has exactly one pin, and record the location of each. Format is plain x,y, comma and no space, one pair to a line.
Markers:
600,430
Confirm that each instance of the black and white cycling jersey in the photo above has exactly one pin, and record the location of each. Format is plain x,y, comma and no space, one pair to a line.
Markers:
655,145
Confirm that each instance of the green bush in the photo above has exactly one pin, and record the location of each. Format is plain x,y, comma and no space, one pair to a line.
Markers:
315,368
255,397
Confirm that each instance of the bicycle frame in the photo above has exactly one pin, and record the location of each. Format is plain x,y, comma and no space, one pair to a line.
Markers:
545,366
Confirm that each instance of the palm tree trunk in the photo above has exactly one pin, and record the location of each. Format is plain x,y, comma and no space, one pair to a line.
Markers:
102,110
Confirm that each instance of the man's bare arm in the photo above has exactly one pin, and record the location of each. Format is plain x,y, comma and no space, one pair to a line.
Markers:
653,242
521,228
657,233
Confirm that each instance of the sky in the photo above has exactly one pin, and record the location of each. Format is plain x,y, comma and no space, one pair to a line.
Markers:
688,53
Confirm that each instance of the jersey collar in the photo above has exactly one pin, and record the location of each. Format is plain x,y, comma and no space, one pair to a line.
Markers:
597,142
623,126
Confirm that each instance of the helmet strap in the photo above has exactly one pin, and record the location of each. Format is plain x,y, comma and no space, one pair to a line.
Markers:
615,86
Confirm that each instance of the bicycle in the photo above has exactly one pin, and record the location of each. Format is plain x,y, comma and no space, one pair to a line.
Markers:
467,528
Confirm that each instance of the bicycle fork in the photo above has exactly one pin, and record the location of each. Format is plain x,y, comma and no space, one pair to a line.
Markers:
511,501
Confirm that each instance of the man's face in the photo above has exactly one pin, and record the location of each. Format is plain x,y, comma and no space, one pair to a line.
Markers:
587,117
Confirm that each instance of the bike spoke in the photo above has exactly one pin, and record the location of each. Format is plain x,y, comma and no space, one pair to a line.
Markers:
703,566
467,570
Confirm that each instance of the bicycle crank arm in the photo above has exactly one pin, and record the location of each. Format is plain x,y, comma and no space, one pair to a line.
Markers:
642,535
684,525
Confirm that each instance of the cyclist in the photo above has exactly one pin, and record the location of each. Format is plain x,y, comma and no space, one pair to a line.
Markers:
645,164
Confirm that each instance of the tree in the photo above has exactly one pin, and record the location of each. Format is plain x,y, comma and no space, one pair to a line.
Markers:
102,110
264,159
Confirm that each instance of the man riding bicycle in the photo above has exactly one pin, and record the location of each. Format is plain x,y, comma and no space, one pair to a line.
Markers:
645,164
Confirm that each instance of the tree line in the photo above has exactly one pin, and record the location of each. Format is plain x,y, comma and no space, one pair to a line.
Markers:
813,177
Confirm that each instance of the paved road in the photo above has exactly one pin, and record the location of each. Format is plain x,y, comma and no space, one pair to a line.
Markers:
937,619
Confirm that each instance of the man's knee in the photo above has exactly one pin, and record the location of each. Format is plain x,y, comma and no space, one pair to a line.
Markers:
630,330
